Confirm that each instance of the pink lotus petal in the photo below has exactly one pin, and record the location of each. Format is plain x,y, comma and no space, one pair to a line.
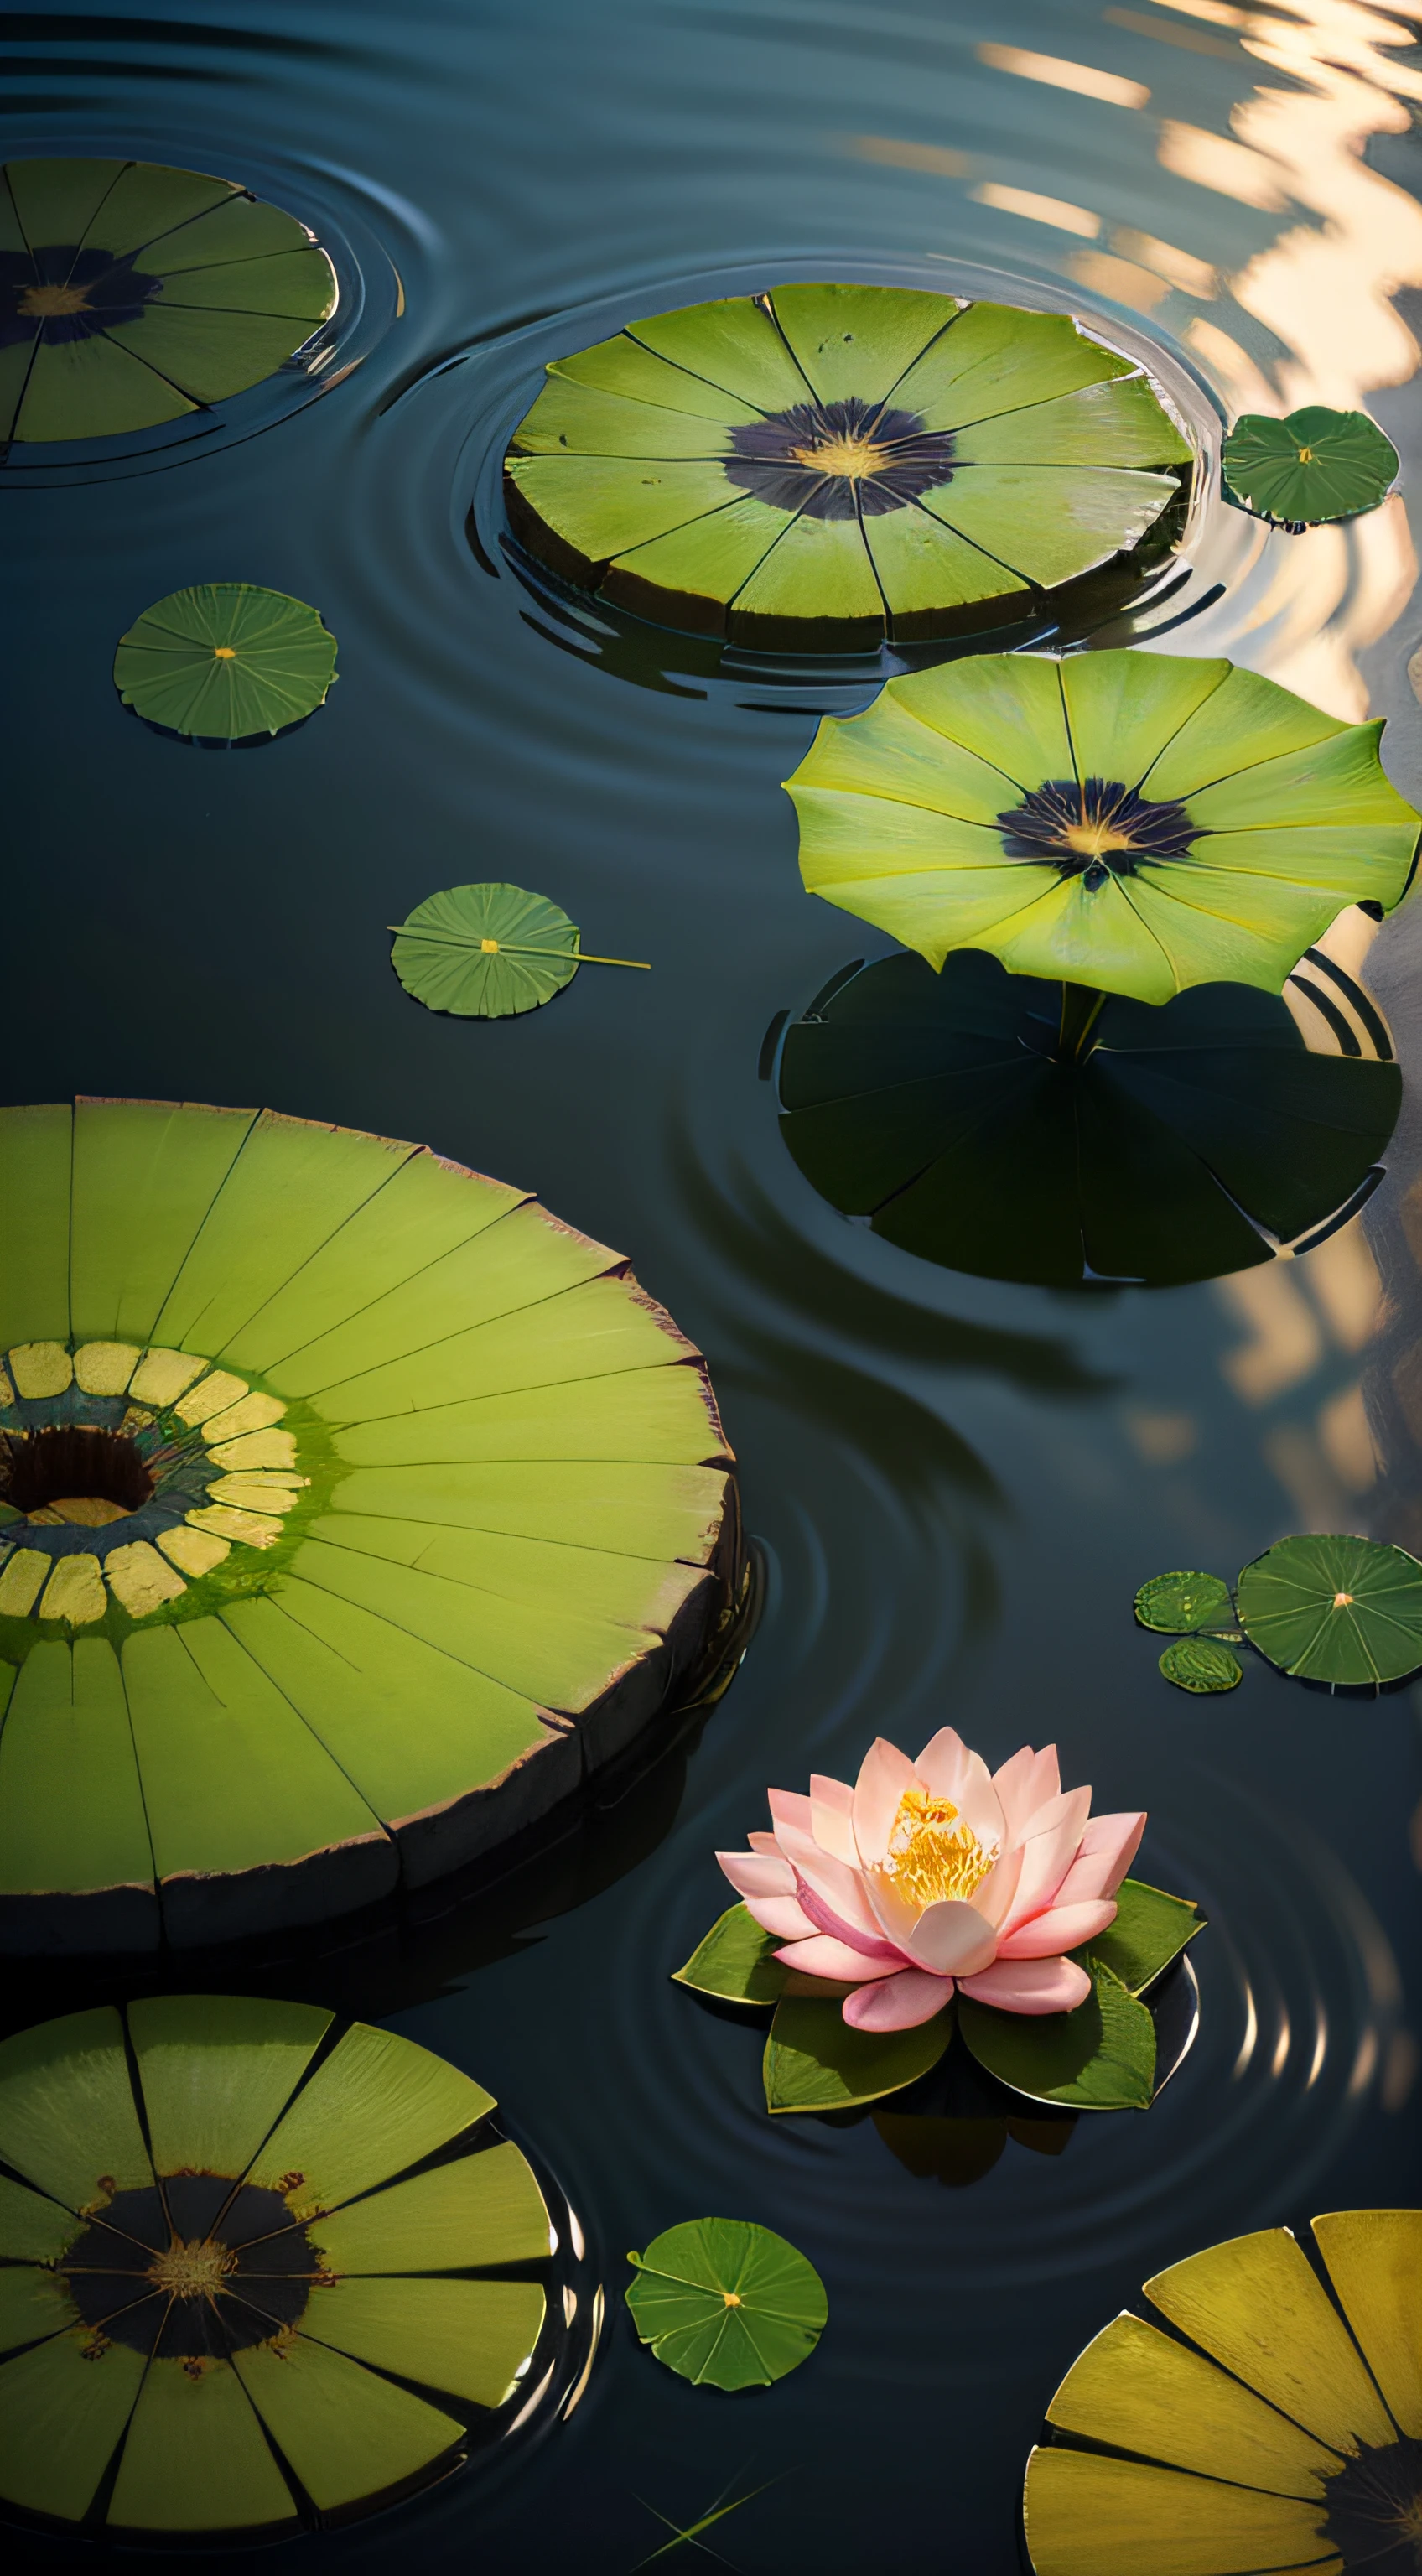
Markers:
789,1807
900,2003
884,1775
781,1916
1030,1985
950,1770
822,1957
832,1818
767,1844
952,1940
1026,1783
894,1915
995,1896
1046,1858
757,1873
1116,1839
836,1886
868,1945
1054,1811
1062,1927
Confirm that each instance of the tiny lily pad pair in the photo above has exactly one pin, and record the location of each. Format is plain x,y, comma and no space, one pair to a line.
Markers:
874,1917
1337,1610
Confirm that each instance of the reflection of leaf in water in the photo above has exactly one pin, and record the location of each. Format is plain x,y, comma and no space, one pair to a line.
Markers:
1167,1150
958,2152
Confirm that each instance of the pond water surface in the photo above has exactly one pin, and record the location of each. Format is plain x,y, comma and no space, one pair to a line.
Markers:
955,1486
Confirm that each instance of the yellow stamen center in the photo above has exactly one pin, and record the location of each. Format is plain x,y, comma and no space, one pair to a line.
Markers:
933,1858
195,2271
490,947
1305,456
855,457
42,303
732,2298
1089,840
224,652
1342,1600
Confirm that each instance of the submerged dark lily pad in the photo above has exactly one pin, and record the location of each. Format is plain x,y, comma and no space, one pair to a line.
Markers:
225,661
131,294
727,2304
212,2319
825,464
971,1125
1315,466
355,1508
1131,821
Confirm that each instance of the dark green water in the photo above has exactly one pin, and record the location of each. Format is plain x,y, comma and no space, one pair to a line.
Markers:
956,1485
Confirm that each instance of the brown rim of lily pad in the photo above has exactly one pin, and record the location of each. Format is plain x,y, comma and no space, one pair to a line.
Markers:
353,1510
819,467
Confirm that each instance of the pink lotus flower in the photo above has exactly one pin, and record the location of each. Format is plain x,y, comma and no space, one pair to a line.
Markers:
933,1874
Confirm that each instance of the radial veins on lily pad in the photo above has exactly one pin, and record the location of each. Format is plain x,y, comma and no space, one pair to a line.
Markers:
1132,821
1263,2432
825,464
132,294
225,661
218,2287
352,1510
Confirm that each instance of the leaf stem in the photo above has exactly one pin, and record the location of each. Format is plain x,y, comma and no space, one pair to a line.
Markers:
513,947
1081,1005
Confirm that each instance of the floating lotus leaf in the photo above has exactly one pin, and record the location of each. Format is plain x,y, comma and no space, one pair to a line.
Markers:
828,464
1314,466
225,661
203,2307
1175,1604
1258,2431
1150,1932
736,1962
354,1508
131,294
1099,2058
486,952
1201,1665
1347,1611
726,2304
1173,1144
1131,821
815,2061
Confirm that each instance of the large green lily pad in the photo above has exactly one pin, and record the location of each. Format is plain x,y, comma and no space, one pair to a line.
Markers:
826,464
1099,2058
226,661
354,1509
1347,1611
212,2318
1132,821
485,952
132,294
1315,466
964,1117
727,2304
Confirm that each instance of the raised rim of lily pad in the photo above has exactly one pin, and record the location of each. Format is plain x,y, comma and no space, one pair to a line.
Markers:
410,1481
819,466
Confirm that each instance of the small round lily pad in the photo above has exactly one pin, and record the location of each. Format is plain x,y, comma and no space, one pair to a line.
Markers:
224,661
486,952
1315,466
1347,1611
1199,1664
1174,1604
727,2304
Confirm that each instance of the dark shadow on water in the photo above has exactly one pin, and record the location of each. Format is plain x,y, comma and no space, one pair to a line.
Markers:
958,1115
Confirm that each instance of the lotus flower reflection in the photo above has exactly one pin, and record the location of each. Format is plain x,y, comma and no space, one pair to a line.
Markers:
933,1874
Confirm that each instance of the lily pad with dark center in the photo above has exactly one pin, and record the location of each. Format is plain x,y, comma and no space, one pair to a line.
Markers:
823,465
727,2304
357,1509
226,661
973,1124
1316,466
1346,1611
1131,821
226,2287
132,294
